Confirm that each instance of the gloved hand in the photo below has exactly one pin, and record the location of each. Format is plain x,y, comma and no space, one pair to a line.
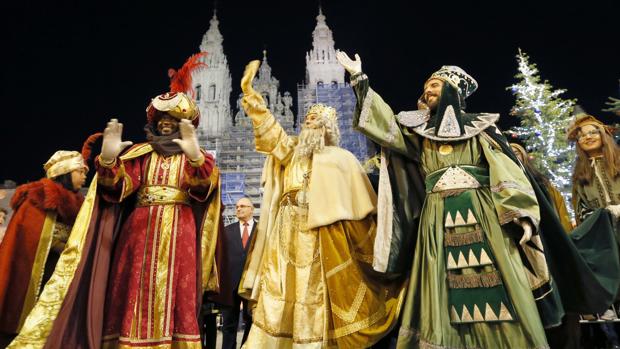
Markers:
112,144
252,102
352,66
614,209
527,230
189,141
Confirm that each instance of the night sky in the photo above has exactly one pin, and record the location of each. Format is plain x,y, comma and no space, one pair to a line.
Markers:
69,66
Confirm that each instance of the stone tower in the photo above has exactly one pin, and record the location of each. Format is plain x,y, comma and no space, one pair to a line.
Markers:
322,67
213,87
325,84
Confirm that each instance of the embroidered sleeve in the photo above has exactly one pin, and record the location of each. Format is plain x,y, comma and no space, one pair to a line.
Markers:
120,180
270,138
512,193
198,178
375,119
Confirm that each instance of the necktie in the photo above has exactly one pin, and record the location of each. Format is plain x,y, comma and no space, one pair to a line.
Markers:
245,236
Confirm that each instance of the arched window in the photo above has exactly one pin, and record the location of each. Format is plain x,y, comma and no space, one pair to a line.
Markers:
212,92
198,92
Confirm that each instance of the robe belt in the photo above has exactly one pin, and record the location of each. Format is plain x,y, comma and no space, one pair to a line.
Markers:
150,195
461,177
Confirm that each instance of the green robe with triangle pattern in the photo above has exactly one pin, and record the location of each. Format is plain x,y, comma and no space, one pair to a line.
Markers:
444,308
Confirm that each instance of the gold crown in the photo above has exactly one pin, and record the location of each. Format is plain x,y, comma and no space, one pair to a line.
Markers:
323,111
63,162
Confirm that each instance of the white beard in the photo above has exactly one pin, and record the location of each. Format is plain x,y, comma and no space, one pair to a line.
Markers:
311,140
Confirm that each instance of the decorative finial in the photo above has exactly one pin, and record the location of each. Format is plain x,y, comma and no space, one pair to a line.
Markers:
320,17
264,55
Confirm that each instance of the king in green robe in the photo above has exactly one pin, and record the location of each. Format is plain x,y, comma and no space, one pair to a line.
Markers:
459,215
469,287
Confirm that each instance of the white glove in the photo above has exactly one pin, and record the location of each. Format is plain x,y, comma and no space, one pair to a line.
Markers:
112,144
614,209
352,66
252,102
189,141
527,230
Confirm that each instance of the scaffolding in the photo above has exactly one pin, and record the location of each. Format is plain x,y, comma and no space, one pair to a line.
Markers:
342,98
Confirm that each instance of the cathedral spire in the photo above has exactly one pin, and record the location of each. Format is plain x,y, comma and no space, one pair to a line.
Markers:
321,63
264,72
213,83
212,40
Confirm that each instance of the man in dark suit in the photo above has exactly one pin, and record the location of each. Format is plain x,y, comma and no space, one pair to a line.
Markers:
236,245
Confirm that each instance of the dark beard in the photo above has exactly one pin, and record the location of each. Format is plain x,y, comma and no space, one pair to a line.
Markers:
163,145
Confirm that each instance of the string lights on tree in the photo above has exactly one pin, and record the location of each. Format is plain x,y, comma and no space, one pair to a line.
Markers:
544,117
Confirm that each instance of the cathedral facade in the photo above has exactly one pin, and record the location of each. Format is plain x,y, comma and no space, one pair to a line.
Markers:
231,138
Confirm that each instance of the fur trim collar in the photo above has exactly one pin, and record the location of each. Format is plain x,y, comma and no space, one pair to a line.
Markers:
49,195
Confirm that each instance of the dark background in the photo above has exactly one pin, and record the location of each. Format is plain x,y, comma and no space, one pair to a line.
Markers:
69,66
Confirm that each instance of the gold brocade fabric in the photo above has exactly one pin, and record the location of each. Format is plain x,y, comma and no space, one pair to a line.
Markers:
309,264
294,174
315,290
151,195
38,267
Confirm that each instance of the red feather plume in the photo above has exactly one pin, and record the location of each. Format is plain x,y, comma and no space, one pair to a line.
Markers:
88,144
181,80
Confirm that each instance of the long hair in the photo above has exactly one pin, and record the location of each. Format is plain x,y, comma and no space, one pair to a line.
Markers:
583,172
538,176
332,133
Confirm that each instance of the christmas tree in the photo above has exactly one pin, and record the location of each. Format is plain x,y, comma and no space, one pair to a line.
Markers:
544,118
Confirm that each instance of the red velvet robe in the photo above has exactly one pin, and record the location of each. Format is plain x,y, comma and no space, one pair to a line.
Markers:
31,203
152,298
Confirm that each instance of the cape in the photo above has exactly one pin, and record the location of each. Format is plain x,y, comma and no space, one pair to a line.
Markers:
342,193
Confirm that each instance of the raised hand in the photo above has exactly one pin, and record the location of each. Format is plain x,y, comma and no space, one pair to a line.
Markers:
248,75
252,102
188,141
112,144
352,66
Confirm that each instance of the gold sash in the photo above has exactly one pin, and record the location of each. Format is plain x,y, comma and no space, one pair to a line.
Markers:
150,195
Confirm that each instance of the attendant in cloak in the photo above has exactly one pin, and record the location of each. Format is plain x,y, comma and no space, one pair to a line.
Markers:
44,212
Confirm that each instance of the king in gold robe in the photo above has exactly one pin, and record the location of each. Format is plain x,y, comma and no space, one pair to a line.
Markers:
309,266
